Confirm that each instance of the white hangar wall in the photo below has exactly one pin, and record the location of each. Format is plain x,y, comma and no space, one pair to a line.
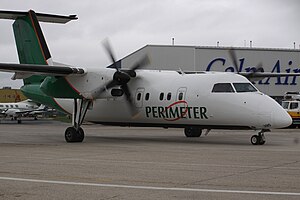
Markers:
193,58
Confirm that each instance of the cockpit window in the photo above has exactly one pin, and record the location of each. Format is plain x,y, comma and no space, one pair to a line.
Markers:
222,87
244,87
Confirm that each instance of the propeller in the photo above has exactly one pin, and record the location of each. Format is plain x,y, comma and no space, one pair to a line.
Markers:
122,77
234,59
251,75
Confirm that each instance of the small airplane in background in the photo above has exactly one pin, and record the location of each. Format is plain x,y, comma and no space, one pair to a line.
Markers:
193,101
15,111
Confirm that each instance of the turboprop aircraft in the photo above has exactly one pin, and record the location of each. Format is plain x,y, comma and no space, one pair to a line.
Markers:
16,111
194,101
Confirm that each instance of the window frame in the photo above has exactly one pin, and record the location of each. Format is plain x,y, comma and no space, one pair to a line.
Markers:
218,90
238,90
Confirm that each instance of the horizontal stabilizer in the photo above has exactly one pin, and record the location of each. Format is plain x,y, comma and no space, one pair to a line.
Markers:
42,17
31,69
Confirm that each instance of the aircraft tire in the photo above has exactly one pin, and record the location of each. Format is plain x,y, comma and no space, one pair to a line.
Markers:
192,132
80,135
72,135
262,142
256,140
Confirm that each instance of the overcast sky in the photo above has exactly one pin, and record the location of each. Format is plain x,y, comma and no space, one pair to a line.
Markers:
132,24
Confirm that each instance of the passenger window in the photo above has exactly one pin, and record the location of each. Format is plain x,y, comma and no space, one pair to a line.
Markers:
1,106
16,106
294,105
6,106
147,96
139,96
244,87
180,96
11,106
222,87
169,96
161,96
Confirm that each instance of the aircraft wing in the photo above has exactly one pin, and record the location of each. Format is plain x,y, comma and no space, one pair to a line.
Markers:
22,70
31,111
261,75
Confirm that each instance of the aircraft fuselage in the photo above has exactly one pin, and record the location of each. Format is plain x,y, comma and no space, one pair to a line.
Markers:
171,99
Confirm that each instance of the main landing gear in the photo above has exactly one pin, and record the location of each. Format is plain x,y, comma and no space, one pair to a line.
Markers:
76,133
260,138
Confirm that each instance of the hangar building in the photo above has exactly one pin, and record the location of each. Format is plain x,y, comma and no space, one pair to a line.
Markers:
199,58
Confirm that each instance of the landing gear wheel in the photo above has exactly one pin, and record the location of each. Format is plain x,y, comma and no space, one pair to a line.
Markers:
262,142
19,121
80,135
192,132
255,140
262,139
73,135
258,140
70,134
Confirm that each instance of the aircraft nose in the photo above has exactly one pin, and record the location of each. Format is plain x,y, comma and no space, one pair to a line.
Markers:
277,117
280,118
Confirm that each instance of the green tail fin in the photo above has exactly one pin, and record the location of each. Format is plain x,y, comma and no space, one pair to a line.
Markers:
31,44
32,49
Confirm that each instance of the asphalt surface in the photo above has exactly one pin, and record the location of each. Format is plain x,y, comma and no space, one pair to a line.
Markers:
145,163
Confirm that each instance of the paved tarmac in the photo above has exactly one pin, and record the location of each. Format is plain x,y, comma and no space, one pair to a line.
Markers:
145,163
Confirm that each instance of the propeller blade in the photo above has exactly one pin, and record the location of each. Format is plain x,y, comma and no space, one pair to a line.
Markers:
141,63
127,93
255,74
259,68
234,59
111,84
109,51
100,90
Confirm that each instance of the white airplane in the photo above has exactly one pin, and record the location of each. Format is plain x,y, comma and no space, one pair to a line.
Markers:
16,111
194,101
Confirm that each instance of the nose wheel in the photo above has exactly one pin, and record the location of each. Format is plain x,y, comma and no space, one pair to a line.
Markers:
260,138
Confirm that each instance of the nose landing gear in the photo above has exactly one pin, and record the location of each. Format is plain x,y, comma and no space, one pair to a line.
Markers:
260,138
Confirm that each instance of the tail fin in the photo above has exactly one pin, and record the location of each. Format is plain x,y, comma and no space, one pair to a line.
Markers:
30,41
31,44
